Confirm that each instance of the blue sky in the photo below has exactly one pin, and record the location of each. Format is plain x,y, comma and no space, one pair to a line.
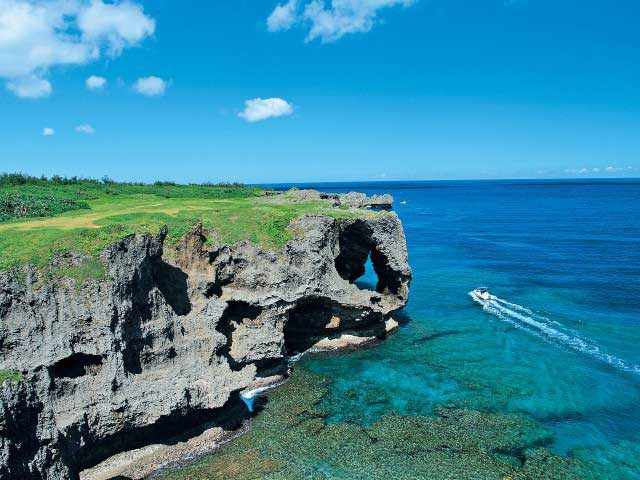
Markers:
354,90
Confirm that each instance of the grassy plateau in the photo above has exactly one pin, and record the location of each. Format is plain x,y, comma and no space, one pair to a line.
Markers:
41,218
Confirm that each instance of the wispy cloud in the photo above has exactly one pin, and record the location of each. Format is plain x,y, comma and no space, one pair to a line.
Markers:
48,132
36,35
596,170
86,129
262,108
329,22
612,169
580,171
283,17
95,83
150,86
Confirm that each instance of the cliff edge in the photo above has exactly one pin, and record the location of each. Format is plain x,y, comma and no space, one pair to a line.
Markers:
168,338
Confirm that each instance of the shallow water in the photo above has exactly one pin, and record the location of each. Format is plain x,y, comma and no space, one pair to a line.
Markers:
559,347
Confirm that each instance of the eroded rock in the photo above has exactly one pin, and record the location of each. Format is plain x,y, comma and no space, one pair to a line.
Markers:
165,343
351,199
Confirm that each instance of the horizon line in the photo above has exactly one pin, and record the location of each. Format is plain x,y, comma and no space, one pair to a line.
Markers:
555,179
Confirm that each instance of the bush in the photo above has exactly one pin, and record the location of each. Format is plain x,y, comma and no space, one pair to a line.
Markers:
16,205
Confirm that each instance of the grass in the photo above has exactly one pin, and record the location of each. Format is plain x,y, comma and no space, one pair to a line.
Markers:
88,268
235,212
9,375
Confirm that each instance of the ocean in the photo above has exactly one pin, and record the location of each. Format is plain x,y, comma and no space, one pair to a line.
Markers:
559,345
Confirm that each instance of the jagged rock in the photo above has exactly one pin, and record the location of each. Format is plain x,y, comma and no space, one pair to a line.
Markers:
30,443
360,200
351,199
166,342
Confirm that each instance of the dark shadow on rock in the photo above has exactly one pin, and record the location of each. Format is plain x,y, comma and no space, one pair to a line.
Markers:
355,246
177,427
315,318
172,282
140,313
306,320
388,280
75,366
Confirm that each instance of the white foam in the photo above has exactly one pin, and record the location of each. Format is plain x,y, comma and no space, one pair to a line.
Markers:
516,306
528,312
255,391
249,396
550,330
295,358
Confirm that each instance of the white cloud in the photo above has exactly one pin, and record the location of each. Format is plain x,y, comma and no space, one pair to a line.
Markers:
330,21
30,86
580,171
612,169
96,83
585,171
262,108
86,129
283,16
118,25
36,35
48,132
150,86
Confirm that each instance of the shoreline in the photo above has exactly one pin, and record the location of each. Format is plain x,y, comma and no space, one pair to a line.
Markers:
154,459
145,462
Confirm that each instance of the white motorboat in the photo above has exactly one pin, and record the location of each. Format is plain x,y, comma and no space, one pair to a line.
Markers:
482,293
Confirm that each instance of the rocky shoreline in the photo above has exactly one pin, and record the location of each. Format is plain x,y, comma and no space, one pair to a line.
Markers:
151,460
163,346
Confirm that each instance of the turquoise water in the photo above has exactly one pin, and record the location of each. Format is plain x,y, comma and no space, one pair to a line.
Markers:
562,345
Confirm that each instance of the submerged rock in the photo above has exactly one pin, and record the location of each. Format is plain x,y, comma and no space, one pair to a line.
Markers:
168,339
453,443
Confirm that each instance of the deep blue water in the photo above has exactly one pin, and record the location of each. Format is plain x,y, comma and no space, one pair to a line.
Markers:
562,345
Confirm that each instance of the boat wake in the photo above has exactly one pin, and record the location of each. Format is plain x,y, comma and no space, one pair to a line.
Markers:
550,330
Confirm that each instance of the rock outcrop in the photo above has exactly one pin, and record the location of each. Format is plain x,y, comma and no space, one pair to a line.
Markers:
170,337
351,199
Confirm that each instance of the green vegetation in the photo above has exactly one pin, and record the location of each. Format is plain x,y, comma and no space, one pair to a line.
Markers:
114,210
76,189
88,268
9,375
291,440
18,205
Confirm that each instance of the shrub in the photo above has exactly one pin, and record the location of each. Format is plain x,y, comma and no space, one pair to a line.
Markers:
16,205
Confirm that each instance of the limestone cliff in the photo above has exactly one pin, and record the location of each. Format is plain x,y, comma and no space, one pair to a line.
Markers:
167,340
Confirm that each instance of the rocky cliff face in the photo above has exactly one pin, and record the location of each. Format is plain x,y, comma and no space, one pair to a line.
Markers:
167,341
